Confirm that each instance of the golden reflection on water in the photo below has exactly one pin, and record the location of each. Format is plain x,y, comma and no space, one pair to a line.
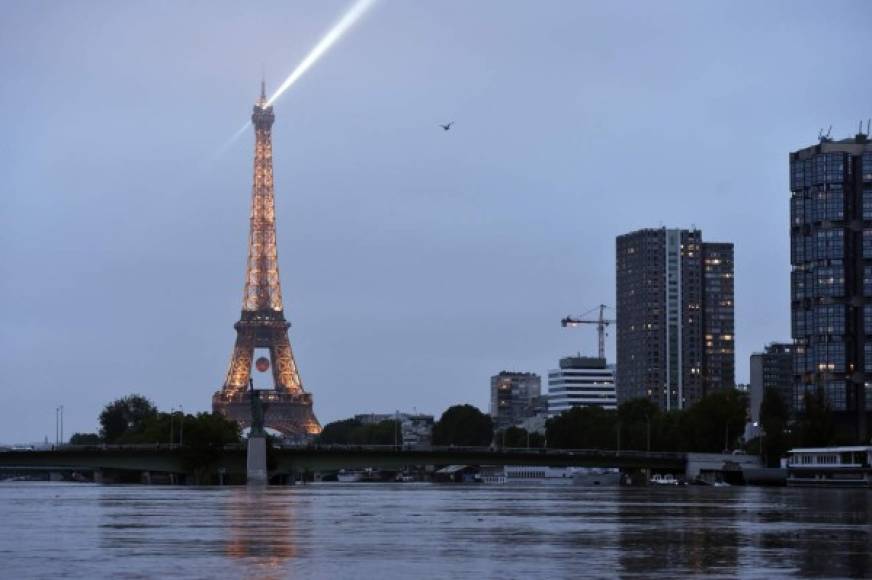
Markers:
261,529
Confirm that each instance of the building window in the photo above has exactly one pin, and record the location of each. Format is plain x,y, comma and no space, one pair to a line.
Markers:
830,281
867,243
800,248
835,392
829,319
829,356
829,203
867,204
867,320
802,323
797,210
830,245
829,168
867,167
796,175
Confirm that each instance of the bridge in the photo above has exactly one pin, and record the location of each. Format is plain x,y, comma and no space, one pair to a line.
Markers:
205,466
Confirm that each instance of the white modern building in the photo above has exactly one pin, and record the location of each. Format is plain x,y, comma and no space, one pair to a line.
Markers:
581,382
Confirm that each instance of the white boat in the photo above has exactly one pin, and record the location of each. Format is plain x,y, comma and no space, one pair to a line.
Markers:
515,474
847,466
353,475
663,479
348,476
597,476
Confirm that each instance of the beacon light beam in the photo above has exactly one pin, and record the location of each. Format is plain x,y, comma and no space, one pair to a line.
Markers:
339,29
354,13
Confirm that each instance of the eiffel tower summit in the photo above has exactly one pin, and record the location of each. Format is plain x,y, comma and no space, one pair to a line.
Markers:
262,343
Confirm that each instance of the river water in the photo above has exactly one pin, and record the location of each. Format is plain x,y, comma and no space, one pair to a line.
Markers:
358,530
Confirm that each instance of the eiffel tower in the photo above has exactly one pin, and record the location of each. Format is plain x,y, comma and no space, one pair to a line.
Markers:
262,329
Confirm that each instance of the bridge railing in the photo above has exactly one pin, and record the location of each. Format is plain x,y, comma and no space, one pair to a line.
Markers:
418,449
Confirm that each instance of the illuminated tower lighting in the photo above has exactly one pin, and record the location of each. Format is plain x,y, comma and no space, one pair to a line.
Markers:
262,330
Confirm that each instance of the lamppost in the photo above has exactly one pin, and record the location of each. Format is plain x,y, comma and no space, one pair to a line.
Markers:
182,427
172,414
59,425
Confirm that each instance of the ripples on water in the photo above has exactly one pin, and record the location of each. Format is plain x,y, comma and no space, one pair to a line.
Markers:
428,531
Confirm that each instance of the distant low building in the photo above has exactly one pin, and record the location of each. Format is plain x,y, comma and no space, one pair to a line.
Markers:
416,428
514,398
581,382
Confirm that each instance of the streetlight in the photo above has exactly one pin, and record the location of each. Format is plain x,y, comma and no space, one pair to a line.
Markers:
182,427
59,425
172,413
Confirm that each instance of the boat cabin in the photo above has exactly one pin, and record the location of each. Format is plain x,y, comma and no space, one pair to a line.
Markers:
830,466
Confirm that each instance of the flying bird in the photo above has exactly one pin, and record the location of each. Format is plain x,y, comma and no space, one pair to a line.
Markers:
446,127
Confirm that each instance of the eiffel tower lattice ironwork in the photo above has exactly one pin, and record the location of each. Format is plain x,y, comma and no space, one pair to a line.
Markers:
262,326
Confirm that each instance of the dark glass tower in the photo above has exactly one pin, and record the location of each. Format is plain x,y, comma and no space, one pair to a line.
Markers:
675,316
831,277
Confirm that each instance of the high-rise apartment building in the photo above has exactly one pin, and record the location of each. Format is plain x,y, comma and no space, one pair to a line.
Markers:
514,397
581,382
831,275
675,339
771,369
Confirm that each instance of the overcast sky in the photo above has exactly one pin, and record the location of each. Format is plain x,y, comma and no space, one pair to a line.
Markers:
415,262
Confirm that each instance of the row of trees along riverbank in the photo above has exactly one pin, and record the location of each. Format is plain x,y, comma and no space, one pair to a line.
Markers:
135,420
714,424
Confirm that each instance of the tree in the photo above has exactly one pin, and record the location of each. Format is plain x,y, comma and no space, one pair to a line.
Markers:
354,432
125,415
716,421
338,432
512,437
85,439
816,426
639,419
463,425
537,440
774,416
583,428
209,430
198,432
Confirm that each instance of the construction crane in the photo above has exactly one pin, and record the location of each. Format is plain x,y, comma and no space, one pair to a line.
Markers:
601,324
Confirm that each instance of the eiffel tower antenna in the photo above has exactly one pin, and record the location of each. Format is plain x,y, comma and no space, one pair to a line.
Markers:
262,325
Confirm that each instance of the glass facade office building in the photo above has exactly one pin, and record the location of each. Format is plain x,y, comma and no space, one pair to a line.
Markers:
831,273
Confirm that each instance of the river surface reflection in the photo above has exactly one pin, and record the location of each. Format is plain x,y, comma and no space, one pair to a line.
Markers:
428,531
